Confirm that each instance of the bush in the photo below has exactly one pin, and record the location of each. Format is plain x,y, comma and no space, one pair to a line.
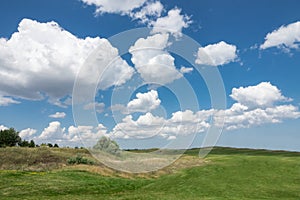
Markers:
31,144
107,145
23,143
79,160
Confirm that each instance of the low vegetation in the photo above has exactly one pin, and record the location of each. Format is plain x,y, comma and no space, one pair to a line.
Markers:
225,174
79,159
39,158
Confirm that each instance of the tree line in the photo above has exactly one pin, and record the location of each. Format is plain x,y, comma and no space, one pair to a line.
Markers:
10,138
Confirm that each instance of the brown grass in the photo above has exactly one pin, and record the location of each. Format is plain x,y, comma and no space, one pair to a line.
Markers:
183,162
47,159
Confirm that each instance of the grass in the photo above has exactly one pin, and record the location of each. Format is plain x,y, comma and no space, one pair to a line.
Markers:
38,159
226,174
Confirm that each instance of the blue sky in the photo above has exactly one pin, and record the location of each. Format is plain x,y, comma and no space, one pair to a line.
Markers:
253,45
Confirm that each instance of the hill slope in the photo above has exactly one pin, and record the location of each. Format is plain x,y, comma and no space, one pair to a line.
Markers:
227,174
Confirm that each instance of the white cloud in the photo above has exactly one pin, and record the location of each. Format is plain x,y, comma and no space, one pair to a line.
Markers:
216,54
99,107
256,105
181,123
157,41
171,137
147,12
256,117
116,6
54,131
41,60
113,71
262,95
188,122
150,10
2,128
173,23
186,70
284,37
268,105
87,134
73,136
152,62
250,110
144,102
27,133
58,115
144,127
142,10
5,101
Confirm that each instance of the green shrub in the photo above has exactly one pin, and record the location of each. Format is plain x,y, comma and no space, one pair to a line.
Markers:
79,160
31,144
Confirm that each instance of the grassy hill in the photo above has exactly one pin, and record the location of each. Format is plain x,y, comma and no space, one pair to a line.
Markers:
226,173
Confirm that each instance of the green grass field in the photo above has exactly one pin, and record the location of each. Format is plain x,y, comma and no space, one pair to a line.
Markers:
226,174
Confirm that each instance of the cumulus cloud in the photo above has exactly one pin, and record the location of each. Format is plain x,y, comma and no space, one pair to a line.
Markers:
261,95
58,115
144,127
53,131
27,133
87,134
42,59
250,110
73,136
149,11
236,119
255,106
144,102
216,54
148,126
285,37
188,122
2,128
117,6
173,23
151,60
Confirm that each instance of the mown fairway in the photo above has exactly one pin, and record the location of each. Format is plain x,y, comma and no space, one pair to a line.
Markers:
226,174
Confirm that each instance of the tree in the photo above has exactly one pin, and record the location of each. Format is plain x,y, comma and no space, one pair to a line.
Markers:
31,144
107,145
9,138
56,145
23,143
